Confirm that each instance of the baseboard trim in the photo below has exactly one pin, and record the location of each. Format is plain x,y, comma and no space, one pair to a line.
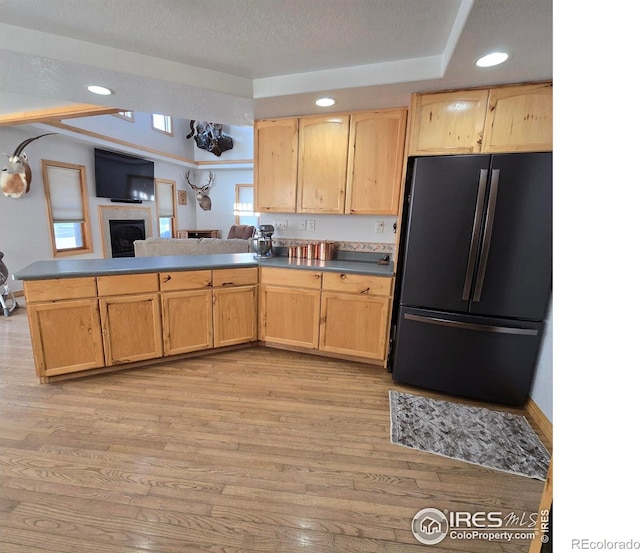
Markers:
545,425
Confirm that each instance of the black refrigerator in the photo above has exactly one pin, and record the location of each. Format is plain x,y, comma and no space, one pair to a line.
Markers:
474,275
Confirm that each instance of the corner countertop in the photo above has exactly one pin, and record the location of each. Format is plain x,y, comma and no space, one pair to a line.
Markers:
69,268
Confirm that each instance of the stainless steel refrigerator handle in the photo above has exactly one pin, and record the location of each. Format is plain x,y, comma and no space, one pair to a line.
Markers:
472,326
488,229
475,235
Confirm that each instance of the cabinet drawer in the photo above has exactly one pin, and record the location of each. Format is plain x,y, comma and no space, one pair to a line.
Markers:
357,284
127,284
300,278
185,280
235,277
60,289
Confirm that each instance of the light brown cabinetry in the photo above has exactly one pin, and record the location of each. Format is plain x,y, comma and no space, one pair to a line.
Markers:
345,163
447,122
355,315
64,322
505,119
235,306
337,313
187,312
276,164
519,119
322,163
130,317
375,161
290,307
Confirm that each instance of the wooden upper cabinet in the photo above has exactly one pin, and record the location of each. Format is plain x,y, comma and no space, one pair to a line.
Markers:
519,119
276,164
322,163
374,173
447,123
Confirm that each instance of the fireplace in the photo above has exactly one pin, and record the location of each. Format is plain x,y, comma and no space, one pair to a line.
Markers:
123,232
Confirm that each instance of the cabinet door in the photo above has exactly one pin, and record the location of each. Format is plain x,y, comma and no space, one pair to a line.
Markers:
276,164
519,119
131,328
354,325
66,337
235,314
187,321
447,123
290,316
322,164
374,173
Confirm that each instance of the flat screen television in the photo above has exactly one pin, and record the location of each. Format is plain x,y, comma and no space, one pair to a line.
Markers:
123,178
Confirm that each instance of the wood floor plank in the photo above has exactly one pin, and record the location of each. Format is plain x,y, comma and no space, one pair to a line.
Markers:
246,451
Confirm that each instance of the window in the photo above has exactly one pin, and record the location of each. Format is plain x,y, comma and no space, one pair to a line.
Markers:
166,208
65,188
126,115
162,123
243,207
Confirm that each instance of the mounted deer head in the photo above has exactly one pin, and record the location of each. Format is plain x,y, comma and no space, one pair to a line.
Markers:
16,175
201,191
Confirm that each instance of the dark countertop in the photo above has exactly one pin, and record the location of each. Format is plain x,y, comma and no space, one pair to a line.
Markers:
67,268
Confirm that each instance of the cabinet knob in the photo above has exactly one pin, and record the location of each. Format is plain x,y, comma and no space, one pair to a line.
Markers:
343,276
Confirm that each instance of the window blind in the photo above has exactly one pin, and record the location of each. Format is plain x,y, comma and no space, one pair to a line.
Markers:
164,198
65,194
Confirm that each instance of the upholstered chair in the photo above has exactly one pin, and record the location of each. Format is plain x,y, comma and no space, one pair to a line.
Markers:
241,231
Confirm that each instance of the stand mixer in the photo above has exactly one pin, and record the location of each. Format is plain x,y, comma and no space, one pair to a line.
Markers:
261,241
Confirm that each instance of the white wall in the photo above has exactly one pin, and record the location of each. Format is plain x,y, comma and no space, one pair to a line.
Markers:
223,196
24,228
542,391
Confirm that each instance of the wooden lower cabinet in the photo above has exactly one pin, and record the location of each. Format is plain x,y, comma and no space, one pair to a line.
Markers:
66,336
354,325
187,321
80,324
131,328
235,315
336,313
290,316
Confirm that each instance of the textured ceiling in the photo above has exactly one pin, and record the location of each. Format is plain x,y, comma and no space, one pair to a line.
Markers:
233,61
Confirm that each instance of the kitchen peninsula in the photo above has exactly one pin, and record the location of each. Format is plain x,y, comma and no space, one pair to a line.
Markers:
96,315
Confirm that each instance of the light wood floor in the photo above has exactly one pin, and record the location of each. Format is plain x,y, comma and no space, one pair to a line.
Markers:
246,451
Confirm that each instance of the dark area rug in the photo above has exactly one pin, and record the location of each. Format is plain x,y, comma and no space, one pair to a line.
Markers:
494,439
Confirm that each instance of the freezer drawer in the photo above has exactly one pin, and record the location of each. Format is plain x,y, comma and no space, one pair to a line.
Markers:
475,357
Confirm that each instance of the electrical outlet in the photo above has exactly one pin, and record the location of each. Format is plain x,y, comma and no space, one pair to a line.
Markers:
379,227
302,225
280,224
311,225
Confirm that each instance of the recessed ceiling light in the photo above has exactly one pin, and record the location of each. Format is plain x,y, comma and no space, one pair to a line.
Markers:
102,90
490,60
325,102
